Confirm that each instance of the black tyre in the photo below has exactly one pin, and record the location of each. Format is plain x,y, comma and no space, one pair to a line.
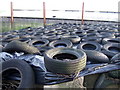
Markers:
65,60
115,58
104,82
20,47
110,40
72,38
39,42
111,49
11,38
89,46
114,74
61,43
80,33
25,74
106,35
94,39
96,57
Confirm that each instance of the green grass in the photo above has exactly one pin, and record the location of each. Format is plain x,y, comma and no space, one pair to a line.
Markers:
17,26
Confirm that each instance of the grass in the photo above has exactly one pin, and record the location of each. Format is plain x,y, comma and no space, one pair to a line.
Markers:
18,25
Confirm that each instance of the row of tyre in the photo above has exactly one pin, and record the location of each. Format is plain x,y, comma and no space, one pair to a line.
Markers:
66,47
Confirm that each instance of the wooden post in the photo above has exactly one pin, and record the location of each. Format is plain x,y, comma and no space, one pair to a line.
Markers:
44,14
12,18
83,13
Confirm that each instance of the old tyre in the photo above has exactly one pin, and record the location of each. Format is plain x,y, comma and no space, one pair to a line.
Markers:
17,46
104,82
65,60
111,49
72,38
24,73
110,40
39,42
115,58
114,74
61,43
96,56
90,45
95,39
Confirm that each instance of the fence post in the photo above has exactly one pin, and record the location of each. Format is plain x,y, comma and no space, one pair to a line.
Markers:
12,18
82,13
44,15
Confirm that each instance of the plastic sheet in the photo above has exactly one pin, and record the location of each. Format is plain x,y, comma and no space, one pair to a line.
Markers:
48,78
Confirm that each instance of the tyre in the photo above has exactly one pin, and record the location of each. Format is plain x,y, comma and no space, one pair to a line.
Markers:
44,49
110,40
39,42
17,46
11,38
89,46
96,57
114,74
94,39
19,71
80,33
65,60
73,38
104,82
106,35
61,43
115,58
111,49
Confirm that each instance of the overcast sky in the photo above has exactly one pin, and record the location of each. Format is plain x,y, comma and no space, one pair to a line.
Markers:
94,5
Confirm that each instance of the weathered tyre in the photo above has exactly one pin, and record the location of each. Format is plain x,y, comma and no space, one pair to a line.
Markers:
72,38
90,45
111,49
115,58
65,60
23,70
104,82
110,40
114,74
96,57
17,46
95,39
39,42
61,43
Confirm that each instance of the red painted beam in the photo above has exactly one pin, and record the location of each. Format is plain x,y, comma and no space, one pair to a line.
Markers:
44,14
12,17
83,13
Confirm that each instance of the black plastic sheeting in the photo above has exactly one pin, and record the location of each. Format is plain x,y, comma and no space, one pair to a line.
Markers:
43,77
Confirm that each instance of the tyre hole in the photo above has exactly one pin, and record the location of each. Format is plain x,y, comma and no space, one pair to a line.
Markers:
11,79
61,45
65,56
38,43
113,41
89,47
114,49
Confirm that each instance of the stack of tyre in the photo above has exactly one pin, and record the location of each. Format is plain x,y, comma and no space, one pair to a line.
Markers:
67,47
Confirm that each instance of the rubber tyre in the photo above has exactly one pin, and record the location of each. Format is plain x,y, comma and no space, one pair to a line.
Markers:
93,39
73,38
17,46
39,42
111,49
90,45
64,66
110,40
96,57
27,74
104,82
61,43
115,58
114,74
